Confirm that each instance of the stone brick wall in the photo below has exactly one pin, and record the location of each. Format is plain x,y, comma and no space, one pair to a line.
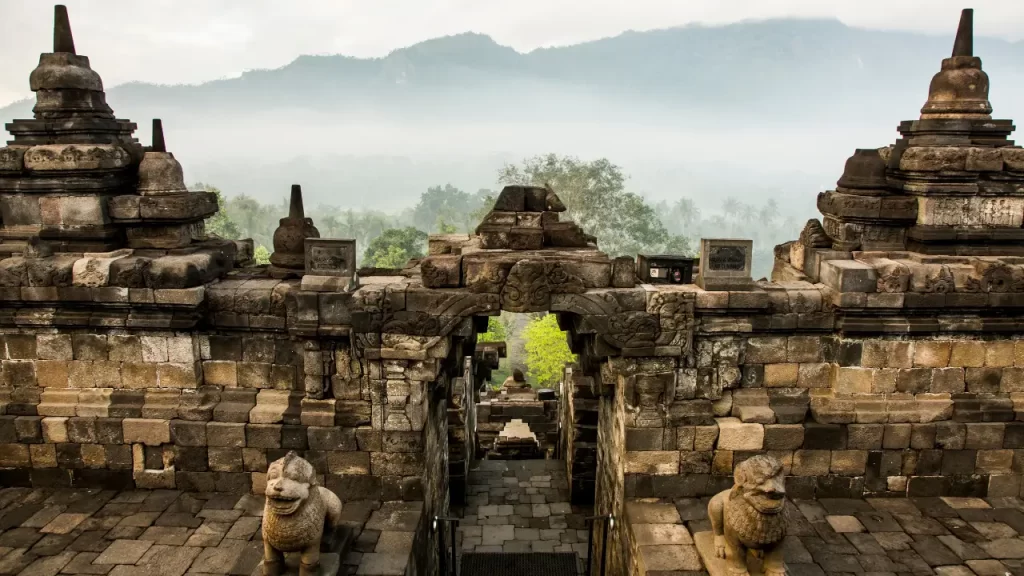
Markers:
193,411
461,432
913,415
435,473
610,490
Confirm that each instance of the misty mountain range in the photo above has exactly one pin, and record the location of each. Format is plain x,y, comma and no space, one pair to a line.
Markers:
753,109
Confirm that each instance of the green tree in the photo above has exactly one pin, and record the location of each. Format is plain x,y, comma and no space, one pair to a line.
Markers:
394,247
220,223
547,350
496,331
443,205
261,255
595,195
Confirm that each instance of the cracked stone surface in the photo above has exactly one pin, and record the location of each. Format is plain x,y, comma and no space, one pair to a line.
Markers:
878,536
153,532
521,506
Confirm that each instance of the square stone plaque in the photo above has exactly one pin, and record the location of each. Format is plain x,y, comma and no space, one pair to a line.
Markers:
725,264
330,257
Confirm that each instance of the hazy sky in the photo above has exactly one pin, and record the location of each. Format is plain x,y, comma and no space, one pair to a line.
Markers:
191,41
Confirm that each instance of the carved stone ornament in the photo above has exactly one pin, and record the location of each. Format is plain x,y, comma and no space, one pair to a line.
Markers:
289,257
527,288
298,517
893,278
941,282
813,235
748,522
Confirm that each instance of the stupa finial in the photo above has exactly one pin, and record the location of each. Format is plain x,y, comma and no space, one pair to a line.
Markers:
158,136
63,41
964,43
295,209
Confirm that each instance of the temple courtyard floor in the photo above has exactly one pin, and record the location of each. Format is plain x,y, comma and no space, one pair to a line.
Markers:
512,507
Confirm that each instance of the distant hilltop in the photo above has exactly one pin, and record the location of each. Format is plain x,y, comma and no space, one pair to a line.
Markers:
785,67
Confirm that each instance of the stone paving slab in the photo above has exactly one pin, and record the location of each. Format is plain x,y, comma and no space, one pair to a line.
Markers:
521,506
875,536
46,532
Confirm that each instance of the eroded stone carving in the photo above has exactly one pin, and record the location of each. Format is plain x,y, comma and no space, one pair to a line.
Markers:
750,517
893,277
941,282
527,288
298,516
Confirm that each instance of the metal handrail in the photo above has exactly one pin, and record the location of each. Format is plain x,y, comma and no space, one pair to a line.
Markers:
609,524
442,553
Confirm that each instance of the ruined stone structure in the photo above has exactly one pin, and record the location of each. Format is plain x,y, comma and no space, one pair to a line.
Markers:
884,357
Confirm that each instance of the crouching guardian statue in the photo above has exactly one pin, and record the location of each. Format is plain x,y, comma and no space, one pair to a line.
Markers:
749,518
298,516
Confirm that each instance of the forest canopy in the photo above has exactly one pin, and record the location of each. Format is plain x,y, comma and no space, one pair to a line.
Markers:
595,192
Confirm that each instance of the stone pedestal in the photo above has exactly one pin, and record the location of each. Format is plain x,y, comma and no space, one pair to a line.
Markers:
715,566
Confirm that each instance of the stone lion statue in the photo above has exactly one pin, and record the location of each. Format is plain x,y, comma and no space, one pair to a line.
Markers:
297,515
750,517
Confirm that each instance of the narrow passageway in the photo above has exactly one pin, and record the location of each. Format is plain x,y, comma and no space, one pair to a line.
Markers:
521,506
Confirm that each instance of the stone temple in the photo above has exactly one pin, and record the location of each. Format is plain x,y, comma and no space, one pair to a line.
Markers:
149,372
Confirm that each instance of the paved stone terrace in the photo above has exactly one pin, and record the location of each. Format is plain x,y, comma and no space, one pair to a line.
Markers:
876,536
521,506
47,532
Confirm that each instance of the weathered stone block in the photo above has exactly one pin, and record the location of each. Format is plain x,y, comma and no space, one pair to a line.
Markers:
967,353
896,437
263,435
999,354
984,435
948,380
766,350
814,375
54,429
150,432
781,374
348,463
52,373
932,353
736,435
225,434
848,276
811,462
139,375
865,436
220,373
177,375
852,380
848,462
396,464
783,436
652,462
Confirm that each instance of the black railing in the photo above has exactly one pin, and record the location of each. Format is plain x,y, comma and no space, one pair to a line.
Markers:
447,558
608,523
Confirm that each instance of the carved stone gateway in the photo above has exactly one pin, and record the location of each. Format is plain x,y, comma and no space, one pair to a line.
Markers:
885,358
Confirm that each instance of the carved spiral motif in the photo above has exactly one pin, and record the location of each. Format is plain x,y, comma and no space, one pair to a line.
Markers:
997,278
